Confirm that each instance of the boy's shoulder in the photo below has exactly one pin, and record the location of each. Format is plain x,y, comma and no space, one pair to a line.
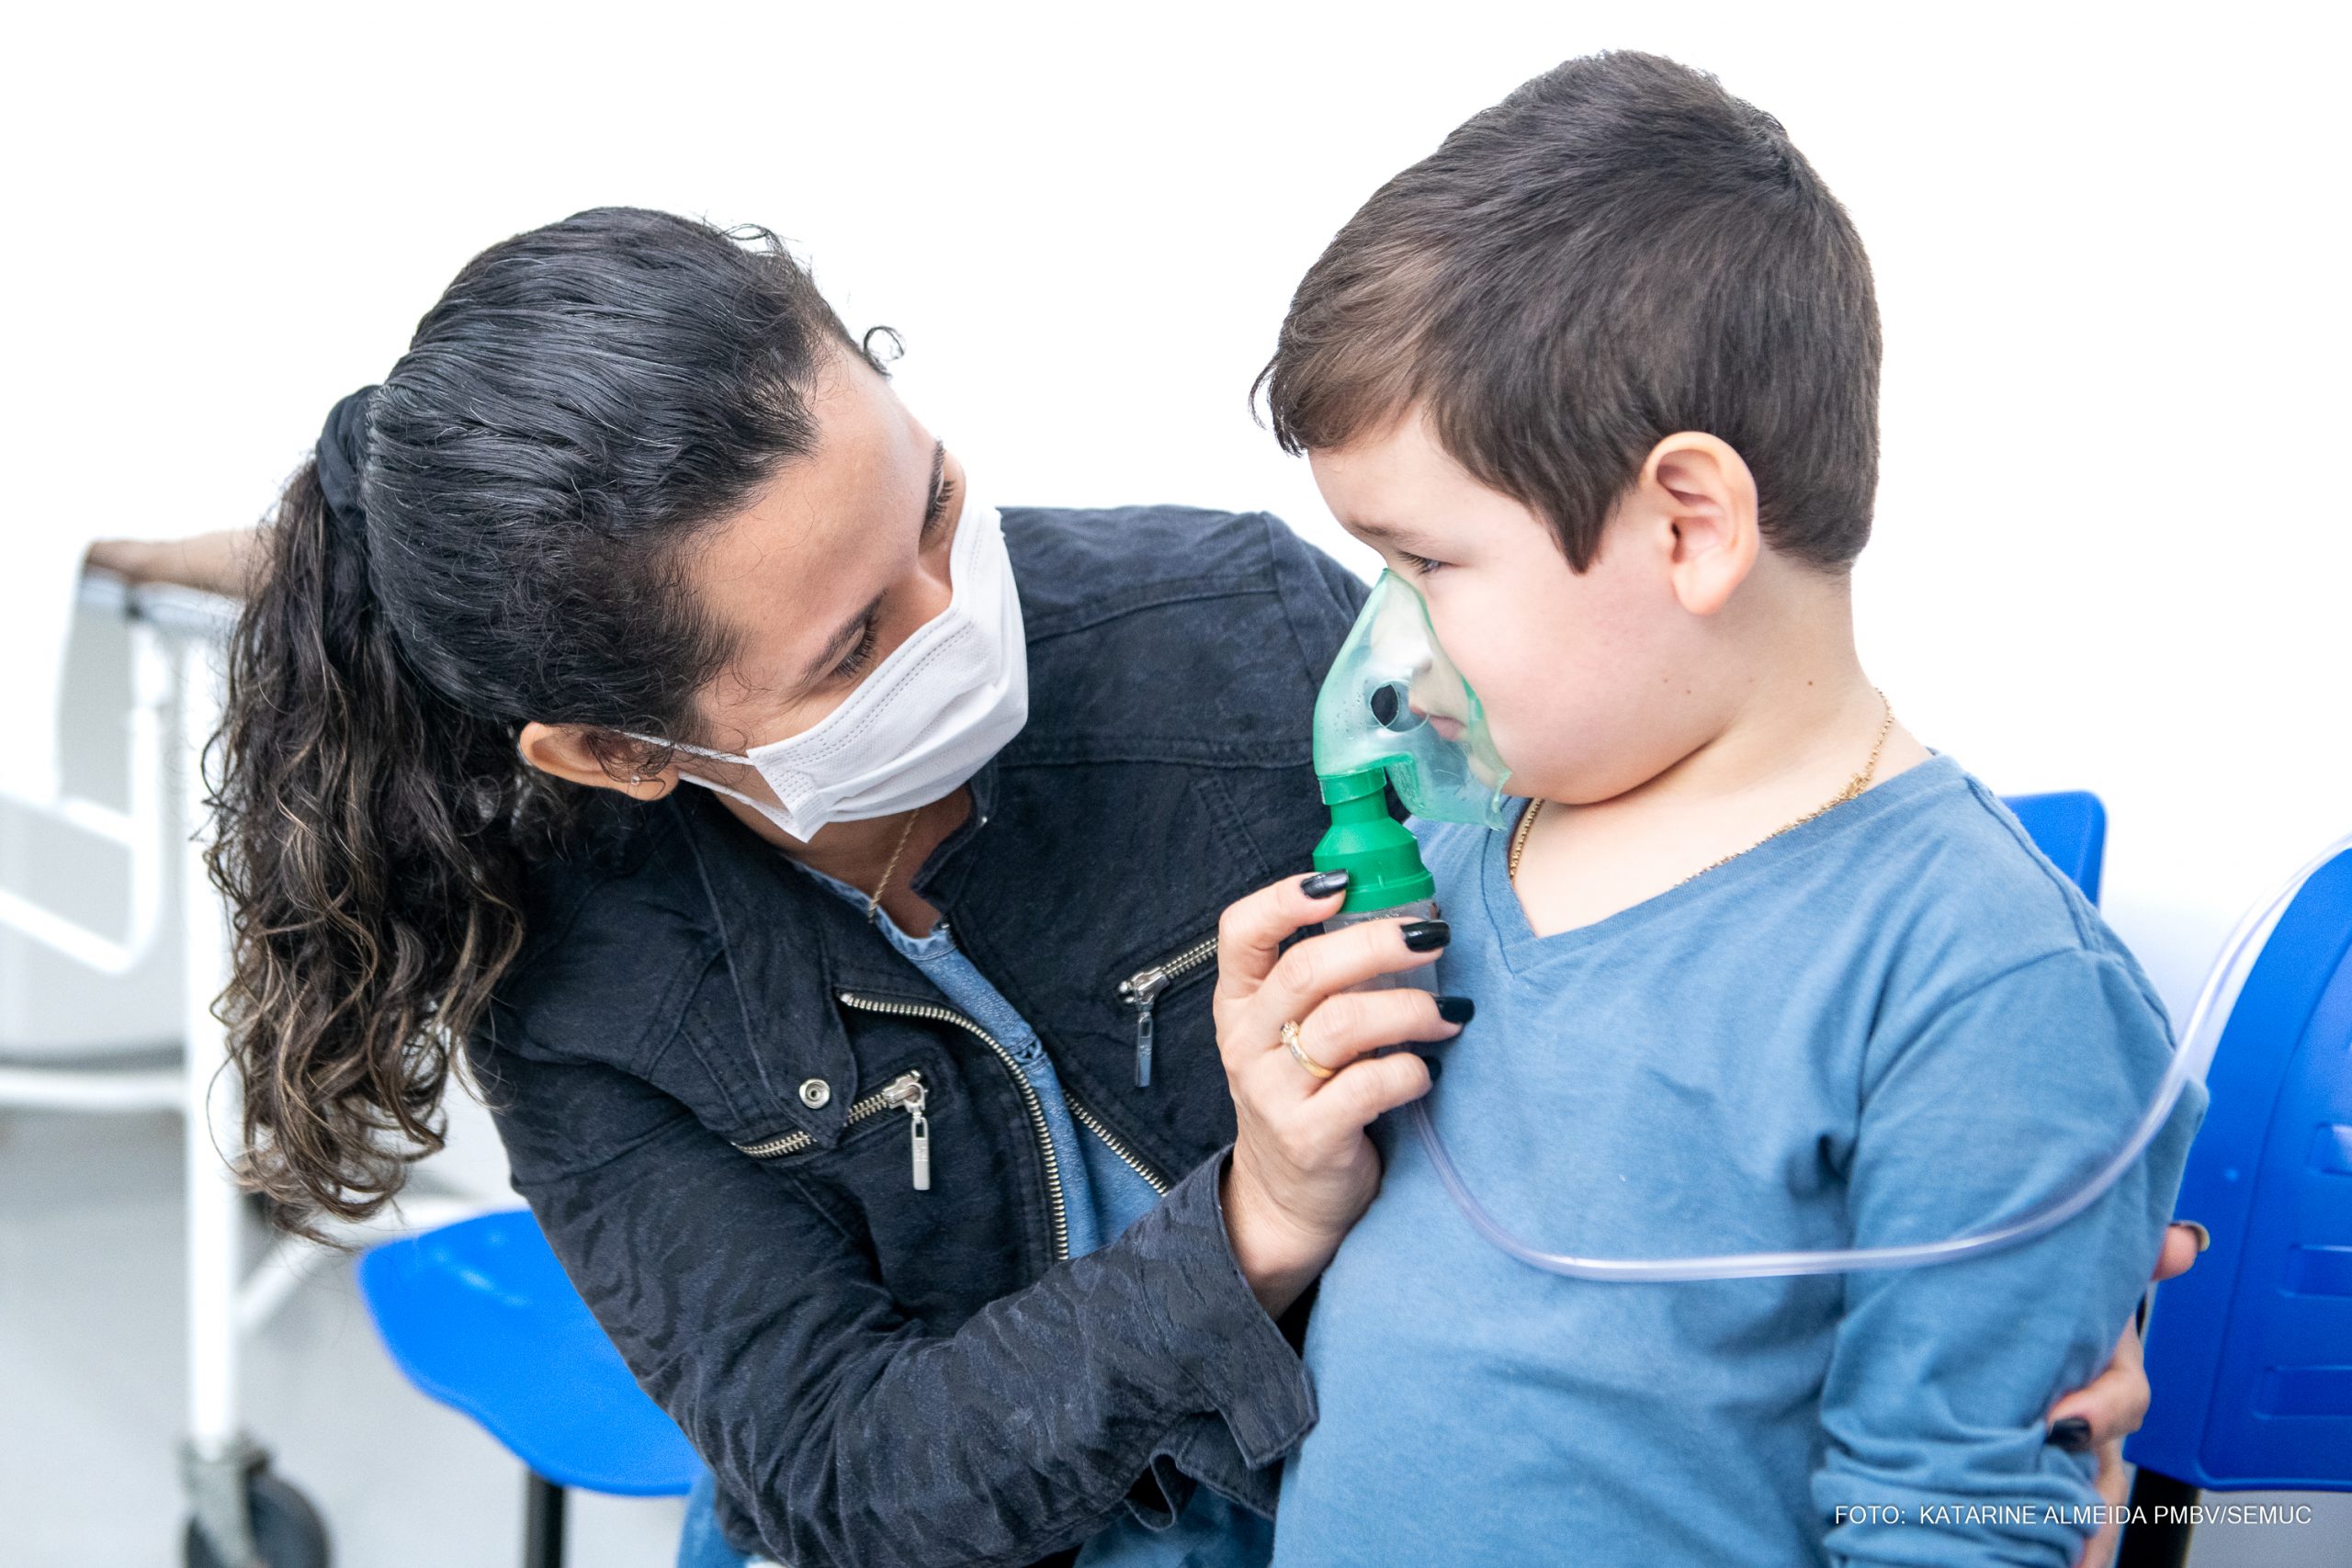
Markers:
1928,878
1958,862
1959,851
1954,899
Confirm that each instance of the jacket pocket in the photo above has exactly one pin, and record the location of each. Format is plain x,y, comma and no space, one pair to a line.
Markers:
903,1101
1143,988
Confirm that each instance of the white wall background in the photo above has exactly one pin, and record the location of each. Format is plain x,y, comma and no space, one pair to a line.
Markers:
2110,550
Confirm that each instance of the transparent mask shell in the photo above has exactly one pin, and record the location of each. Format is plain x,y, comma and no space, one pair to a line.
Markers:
1382,706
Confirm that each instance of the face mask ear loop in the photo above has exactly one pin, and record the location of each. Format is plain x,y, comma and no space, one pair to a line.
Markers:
719,919
694,749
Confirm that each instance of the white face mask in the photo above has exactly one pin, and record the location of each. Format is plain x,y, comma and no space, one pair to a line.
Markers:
923,720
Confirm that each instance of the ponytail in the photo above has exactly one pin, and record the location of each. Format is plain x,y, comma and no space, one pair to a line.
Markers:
366,844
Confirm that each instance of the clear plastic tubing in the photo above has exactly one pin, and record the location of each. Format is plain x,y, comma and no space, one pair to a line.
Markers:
2188,1061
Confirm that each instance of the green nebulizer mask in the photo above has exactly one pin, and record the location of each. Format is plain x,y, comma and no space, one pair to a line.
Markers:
1394,710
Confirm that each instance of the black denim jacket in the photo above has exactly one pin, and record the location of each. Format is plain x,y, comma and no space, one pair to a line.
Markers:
700,1067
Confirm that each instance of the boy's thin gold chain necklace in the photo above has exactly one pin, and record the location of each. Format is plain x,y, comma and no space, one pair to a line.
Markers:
1854,786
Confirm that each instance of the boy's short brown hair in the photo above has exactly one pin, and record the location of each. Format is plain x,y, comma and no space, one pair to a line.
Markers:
1618,251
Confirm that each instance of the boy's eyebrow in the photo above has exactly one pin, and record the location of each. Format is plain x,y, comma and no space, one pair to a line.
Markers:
1387,534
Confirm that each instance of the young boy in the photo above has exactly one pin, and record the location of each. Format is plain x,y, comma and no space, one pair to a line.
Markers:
1755,970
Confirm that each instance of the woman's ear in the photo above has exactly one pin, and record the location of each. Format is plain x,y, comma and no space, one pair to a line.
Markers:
564,750
1701,489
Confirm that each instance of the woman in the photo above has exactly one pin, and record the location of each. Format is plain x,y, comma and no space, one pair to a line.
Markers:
867,1087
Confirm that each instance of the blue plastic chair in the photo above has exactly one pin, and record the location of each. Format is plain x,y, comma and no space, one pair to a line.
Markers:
480,1316
2070,826
2250,1352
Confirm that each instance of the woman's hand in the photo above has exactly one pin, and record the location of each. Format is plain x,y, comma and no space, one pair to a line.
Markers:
1303,1170
2111,1407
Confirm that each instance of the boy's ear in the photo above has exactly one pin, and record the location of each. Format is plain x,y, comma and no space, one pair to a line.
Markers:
1700,487
563,751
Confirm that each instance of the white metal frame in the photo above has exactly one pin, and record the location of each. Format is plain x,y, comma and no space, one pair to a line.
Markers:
141,831
176,635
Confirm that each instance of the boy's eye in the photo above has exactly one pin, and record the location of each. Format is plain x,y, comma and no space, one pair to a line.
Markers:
1422,565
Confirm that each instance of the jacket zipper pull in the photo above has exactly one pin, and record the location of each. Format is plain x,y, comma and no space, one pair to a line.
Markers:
1143,991
908,1093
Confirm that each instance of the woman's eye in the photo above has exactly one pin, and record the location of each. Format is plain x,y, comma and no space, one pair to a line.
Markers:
937,514
854,662
1422,566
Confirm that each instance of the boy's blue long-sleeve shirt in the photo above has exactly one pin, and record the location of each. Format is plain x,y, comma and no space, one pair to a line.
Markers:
1892,1024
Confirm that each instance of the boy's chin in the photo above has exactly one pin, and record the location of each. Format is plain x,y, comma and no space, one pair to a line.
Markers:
1592,787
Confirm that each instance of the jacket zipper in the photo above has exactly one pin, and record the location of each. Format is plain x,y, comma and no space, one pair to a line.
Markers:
1141,991
906,1091
1056,1207
1093,1124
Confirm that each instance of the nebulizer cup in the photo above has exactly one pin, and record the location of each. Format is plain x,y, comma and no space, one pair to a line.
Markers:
1394,712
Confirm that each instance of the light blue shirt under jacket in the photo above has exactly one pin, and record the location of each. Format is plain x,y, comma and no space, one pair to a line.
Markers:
1103,1195
1892,1024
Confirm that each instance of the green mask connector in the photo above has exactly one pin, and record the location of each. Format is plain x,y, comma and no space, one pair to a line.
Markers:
1381,856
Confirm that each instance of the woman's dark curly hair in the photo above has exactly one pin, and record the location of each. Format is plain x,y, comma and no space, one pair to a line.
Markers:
582,400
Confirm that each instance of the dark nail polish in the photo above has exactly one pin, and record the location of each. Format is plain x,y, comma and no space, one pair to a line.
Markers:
1456,1009
1323,883
1435,1067
2073,1434
2204,1236
1423,936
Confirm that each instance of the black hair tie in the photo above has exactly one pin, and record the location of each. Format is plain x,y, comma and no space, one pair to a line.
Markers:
343,456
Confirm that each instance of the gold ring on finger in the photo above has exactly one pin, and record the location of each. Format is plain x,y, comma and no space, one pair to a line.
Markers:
1298,1053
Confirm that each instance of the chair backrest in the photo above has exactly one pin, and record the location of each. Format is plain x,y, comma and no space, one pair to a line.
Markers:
480,1316
2070,826
2250,1352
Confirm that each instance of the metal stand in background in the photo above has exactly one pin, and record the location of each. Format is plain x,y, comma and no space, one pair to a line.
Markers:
142,830
228,1511
240,1515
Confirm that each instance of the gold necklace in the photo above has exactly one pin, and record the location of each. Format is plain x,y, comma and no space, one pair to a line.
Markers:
1854,786
873,899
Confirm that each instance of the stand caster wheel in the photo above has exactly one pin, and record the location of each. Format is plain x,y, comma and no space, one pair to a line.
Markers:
288,1532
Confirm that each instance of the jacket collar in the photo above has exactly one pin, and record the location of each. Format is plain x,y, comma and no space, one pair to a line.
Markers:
790,949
